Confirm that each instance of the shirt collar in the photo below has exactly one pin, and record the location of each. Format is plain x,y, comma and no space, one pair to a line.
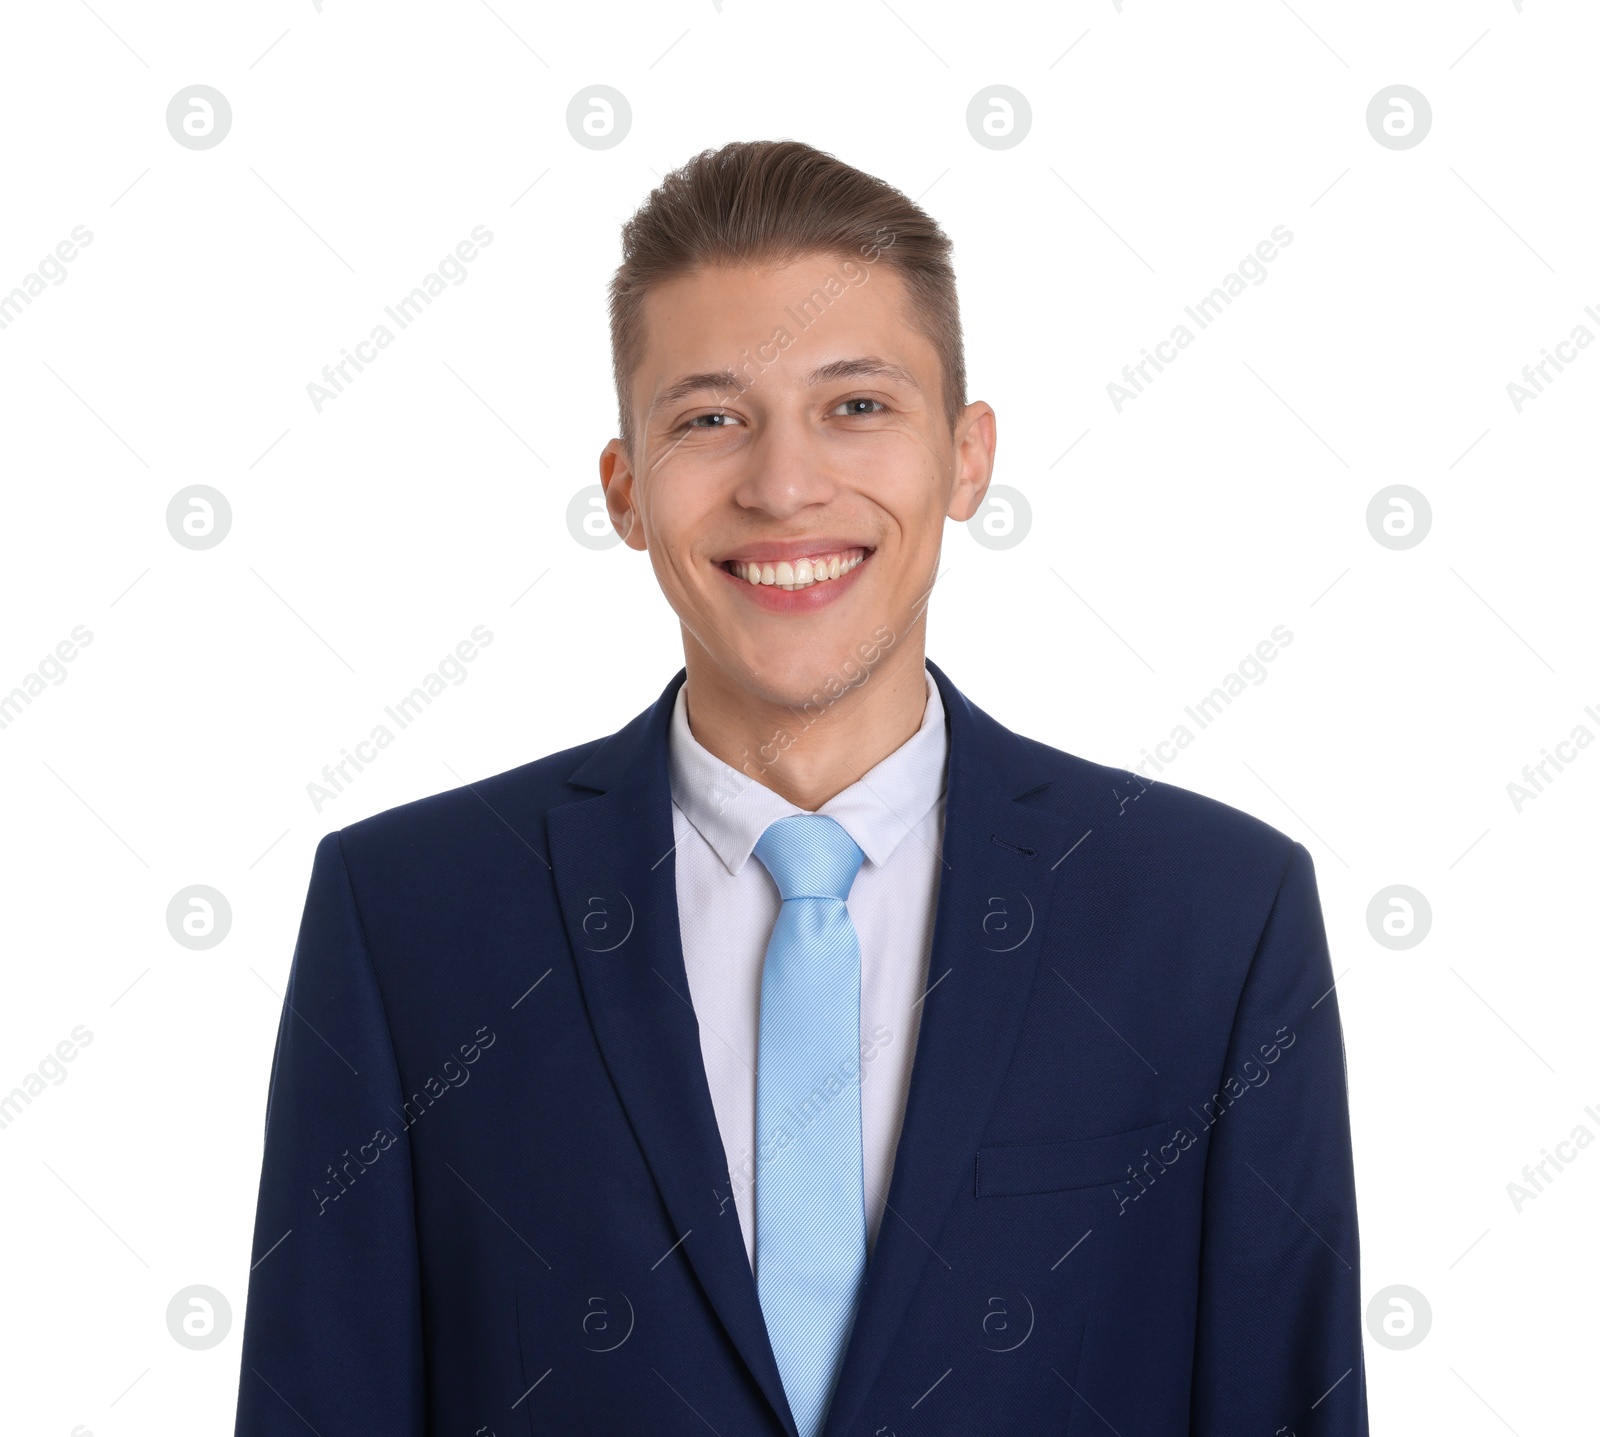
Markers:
731,810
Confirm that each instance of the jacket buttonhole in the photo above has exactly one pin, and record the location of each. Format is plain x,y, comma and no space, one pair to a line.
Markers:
1014,847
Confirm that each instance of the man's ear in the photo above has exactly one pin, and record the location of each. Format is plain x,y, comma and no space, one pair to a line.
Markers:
975,443
617,481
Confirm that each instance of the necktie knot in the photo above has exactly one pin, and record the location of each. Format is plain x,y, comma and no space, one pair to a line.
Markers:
809,855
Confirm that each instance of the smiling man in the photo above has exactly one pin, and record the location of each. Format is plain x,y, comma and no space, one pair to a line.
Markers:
834,1059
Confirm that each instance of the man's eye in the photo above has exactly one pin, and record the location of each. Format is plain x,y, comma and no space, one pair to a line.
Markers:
854,406
711,421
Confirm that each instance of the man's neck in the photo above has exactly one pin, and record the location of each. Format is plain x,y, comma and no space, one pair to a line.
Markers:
808,754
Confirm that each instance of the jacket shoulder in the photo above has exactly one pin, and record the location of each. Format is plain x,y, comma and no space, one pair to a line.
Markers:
516,800
1160,819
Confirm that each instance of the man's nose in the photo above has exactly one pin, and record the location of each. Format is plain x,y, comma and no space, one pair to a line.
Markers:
789,469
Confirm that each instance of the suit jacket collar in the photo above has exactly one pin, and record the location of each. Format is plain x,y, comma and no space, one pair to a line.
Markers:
611,855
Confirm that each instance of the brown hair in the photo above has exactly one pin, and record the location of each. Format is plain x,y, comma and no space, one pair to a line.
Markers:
772,201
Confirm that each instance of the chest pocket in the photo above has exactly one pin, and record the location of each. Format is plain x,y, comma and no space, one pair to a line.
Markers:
1010,1169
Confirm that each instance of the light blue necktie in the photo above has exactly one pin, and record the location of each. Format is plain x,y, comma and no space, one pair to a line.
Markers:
811,1230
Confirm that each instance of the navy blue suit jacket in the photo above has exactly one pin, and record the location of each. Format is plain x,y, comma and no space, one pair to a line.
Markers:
494,1199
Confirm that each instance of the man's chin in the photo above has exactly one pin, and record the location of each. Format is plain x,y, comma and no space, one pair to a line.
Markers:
812,673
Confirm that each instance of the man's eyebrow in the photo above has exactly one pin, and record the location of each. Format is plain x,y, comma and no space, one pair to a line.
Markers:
724,383
864,368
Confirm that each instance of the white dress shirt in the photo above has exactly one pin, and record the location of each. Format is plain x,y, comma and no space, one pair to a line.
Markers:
728,905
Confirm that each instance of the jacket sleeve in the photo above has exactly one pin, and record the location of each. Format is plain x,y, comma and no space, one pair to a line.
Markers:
1278,1346
333,1333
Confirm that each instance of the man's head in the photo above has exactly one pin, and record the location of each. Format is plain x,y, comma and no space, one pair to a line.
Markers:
787,352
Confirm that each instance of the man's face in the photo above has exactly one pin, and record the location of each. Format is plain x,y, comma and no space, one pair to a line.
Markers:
792,416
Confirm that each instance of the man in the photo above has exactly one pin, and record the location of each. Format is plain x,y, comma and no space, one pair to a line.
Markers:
814,1054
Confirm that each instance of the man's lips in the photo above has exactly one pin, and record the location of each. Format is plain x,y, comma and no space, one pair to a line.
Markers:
772,551
799,586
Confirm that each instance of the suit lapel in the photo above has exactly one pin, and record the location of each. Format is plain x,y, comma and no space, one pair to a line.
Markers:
611,854
615,874
997,879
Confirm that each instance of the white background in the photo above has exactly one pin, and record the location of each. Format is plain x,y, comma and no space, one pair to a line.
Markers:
369,539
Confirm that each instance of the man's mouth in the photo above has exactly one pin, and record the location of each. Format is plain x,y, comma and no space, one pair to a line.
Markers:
799,572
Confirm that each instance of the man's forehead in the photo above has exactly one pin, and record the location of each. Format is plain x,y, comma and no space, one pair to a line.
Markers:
831,318
801,274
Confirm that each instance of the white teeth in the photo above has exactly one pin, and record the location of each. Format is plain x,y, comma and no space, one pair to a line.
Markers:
801,573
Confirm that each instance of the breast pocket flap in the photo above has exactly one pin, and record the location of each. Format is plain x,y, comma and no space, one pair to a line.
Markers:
1009,1169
